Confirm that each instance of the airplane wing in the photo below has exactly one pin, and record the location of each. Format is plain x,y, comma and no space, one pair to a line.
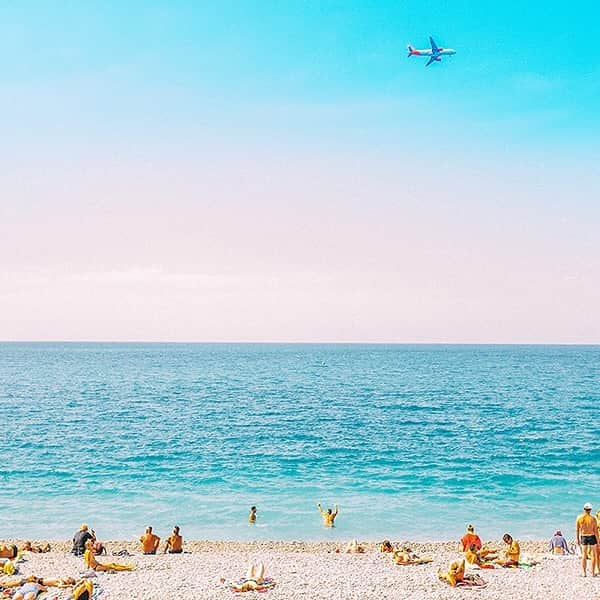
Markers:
434,46
431,59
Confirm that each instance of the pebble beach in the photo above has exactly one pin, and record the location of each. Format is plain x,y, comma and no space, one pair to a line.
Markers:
313,571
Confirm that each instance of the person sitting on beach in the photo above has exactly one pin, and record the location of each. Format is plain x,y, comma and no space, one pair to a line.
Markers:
91,562
386,546
455,573
481,558
405,556
512,555
328,515
586,530
80,539
174,543
27,547
470,538
252,515
254,582
149,542
9,551
558,544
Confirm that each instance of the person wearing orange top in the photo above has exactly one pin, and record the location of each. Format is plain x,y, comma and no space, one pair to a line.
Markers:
470,538
174,543
586,531
149,542
328,515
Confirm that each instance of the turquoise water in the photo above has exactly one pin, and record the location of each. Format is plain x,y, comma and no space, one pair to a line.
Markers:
411,441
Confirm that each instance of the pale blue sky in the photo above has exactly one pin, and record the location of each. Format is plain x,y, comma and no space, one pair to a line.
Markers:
294,149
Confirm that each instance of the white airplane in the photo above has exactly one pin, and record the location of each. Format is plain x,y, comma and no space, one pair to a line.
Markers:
435,54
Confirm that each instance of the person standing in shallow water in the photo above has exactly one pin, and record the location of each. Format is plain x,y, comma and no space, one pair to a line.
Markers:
252,515
328,515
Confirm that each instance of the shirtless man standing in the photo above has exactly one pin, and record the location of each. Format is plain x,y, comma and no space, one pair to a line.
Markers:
586,529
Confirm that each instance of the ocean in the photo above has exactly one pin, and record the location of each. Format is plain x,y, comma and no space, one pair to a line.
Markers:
411,441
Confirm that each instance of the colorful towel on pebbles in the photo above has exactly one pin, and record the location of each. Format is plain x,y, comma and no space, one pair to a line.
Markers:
265,586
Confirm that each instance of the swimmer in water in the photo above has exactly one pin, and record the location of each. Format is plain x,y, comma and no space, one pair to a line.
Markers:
328,515
252,515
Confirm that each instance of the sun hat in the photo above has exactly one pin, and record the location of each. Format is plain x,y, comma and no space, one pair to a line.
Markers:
587,506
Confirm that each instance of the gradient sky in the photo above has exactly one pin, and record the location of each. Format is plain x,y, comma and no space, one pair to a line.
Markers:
281,171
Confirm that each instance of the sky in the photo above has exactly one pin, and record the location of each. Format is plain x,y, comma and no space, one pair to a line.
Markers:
282,171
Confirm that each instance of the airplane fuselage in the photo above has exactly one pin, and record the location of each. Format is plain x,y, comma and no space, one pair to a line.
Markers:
429,52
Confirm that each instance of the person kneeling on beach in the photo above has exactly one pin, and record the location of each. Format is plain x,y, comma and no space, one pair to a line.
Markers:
513,553
174,543
91,562
149,542
558,544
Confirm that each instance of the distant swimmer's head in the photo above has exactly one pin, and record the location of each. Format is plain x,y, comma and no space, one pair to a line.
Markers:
507,538
253,508
84,527
587,507
470,528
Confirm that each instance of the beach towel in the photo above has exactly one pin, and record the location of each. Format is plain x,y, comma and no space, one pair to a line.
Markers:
265,586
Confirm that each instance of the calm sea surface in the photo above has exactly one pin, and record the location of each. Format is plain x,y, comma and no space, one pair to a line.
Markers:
411,441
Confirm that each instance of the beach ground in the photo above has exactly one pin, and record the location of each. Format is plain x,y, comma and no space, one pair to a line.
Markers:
315,571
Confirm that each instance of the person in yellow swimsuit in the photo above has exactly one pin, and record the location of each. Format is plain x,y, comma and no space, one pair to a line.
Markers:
513,553
91,563
149,541
586,532
455,573
328,515
174,543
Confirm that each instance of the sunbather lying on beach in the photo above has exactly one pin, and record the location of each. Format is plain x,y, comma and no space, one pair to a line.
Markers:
27,547
455,576
91,562
406,556
255,580
386,546
353,547
9,551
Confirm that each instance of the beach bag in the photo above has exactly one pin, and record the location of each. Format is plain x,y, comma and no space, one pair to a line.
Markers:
83,590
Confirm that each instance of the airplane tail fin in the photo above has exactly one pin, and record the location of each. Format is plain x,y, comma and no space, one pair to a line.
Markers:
410,50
